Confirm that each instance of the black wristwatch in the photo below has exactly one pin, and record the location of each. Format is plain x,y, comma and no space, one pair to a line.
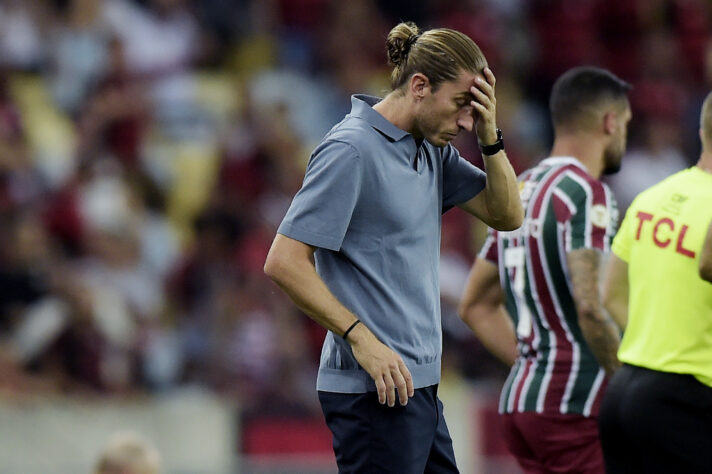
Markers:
492,149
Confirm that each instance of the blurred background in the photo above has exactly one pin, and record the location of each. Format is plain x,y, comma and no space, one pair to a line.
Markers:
150,148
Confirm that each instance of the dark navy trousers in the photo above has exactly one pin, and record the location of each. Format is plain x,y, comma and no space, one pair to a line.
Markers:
374,438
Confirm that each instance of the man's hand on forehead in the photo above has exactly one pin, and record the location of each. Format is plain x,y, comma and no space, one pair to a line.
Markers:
484,104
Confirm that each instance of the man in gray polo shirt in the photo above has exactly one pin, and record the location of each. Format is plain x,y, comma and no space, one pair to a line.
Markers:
358,250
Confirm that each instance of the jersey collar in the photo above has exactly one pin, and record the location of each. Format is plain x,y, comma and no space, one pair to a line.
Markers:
565,160
362,107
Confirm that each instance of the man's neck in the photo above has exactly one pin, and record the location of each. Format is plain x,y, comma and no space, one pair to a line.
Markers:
584,148
397,110
705,161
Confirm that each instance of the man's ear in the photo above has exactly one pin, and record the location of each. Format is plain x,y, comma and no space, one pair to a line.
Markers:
610,123
419,85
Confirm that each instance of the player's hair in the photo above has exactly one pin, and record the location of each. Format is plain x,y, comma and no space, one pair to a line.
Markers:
579,93
706,122
441,54
129,451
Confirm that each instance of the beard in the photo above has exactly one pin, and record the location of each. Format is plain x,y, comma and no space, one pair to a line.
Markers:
612,159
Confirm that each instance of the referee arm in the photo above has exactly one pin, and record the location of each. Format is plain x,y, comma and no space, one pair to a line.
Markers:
706,257
599,330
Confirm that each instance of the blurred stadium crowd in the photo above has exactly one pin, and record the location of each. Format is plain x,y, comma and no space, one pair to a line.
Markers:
149,149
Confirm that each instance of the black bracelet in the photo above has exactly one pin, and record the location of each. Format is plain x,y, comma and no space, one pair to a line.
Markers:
493,149
350,328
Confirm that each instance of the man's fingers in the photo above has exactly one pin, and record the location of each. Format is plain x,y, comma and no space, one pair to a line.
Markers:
482,98
381,389
479,94
408,378
489,75
481,110
390,389
401,386
486,88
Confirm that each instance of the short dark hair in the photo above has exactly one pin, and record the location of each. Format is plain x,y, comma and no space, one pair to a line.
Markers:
579,90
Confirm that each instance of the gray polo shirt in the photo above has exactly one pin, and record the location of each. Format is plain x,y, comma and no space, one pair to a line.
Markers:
372,202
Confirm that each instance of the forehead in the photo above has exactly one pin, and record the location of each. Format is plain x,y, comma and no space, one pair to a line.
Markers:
461,84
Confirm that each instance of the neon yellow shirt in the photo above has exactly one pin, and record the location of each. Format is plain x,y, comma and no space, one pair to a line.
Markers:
670,306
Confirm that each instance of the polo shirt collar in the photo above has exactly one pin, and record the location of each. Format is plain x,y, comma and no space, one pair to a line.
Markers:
362,107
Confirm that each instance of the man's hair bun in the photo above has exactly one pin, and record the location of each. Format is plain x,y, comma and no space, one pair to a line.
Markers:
400,41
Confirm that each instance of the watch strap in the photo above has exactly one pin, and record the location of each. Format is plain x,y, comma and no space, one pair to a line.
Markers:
493,148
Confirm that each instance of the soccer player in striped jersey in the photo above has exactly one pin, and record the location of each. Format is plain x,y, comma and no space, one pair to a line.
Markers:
533,297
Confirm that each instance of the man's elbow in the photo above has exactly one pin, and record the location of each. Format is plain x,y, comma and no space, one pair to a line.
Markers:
518,218
513,221
463,310
274,267
472,311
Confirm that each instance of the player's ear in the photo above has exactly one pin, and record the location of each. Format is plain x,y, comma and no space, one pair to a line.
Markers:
610,122
419,85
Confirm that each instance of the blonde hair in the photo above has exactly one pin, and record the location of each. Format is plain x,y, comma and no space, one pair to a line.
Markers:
129,452
441,54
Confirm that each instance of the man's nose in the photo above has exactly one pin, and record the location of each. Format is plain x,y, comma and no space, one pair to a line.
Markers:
466,121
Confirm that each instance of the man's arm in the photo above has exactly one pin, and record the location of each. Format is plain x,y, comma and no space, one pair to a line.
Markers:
498,205
482,310
599,330
290,264
706,257
615,290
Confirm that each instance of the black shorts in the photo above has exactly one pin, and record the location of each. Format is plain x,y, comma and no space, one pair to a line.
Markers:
374,438
656,422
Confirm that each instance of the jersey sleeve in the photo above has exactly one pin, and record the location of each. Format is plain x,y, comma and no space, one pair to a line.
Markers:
593,216
490,249
461,179
321,211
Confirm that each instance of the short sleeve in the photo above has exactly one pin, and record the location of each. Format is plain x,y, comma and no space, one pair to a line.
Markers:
461,179
490,249
624,238
321,211
593,219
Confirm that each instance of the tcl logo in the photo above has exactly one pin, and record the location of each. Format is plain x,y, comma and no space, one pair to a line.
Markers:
664,231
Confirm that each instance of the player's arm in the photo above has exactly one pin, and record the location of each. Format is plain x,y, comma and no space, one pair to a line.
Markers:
482,310
290,264
498,205
706,257
615,290
599,330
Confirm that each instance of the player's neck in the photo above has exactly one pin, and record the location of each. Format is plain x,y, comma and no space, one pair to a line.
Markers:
582,147
705,161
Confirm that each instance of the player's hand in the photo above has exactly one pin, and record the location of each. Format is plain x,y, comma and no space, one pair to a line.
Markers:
385,367
485,105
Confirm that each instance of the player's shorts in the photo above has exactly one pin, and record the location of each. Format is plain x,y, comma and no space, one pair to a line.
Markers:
374,438
656,423
554,443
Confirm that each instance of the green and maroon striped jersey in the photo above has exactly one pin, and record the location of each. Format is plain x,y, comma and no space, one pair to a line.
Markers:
566,209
